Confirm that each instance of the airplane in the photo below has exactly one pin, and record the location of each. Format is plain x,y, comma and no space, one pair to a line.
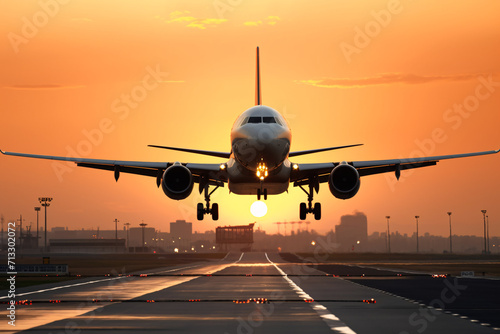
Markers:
258,164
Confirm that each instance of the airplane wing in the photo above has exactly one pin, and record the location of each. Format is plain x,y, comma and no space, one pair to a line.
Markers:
203,152
297,153
211,172
304,173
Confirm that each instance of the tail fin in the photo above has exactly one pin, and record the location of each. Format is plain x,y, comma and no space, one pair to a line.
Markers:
258,96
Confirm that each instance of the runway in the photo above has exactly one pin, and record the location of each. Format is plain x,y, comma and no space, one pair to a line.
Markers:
244,293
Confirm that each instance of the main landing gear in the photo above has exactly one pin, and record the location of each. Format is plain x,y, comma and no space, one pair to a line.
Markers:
202,210
308,208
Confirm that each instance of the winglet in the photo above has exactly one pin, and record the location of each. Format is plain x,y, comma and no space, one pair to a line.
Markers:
2,152
258,96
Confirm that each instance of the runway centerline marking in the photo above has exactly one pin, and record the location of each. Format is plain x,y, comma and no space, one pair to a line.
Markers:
333,322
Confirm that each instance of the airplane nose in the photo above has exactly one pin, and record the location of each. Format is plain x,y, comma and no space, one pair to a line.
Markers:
250,152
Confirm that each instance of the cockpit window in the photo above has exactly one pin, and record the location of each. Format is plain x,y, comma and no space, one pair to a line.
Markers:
269,120
255,119
258,119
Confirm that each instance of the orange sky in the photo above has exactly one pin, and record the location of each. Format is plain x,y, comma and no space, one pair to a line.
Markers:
384,73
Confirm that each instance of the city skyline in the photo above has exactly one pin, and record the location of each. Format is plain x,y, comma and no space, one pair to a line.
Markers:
279,228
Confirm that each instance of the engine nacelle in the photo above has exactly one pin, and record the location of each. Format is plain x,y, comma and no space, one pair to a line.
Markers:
344,181
177,182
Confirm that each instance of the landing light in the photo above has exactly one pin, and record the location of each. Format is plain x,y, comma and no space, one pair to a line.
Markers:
262,171
258,209
295,166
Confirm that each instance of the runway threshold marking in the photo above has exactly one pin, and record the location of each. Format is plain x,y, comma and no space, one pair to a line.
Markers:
333,322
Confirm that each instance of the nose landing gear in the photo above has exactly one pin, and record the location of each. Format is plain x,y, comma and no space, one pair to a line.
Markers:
261,192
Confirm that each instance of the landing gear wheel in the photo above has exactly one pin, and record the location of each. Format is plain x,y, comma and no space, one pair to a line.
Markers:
200,211
215,211
260,193
207,209
309,208
303,211
317,211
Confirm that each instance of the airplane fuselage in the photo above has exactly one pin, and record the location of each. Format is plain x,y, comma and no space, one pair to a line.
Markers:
260,142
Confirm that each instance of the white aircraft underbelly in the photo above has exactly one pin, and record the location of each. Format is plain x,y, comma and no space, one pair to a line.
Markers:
242,181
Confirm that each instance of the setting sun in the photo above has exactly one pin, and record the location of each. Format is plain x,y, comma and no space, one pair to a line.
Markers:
258,209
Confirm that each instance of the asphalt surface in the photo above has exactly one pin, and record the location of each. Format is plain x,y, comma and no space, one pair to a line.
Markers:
244,293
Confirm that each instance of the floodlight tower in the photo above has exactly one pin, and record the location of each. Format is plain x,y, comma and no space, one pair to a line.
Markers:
484,222
45,202
449,215
388,235
37,209
488,233
416,218
116,228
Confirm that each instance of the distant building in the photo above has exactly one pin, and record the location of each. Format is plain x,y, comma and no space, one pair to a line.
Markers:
352,233
181,233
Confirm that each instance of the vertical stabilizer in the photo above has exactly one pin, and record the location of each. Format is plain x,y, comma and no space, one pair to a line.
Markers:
258,96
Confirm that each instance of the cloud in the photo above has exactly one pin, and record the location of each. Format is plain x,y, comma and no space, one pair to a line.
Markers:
270,20
184,17
386,79
42,87
252,23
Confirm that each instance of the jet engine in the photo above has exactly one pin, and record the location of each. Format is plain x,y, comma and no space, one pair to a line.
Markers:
344,181
177,182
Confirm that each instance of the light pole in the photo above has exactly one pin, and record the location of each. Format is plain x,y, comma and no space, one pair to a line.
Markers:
416,218
21,239
449,215
45,202
388,235
37,209
488,233
143,225
484,222
126,226
116,228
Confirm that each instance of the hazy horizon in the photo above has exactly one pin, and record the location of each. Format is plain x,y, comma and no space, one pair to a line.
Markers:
102,80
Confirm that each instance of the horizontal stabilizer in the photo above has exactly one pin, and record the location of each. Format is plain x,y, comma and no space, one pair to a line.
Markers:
209,153
297,153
